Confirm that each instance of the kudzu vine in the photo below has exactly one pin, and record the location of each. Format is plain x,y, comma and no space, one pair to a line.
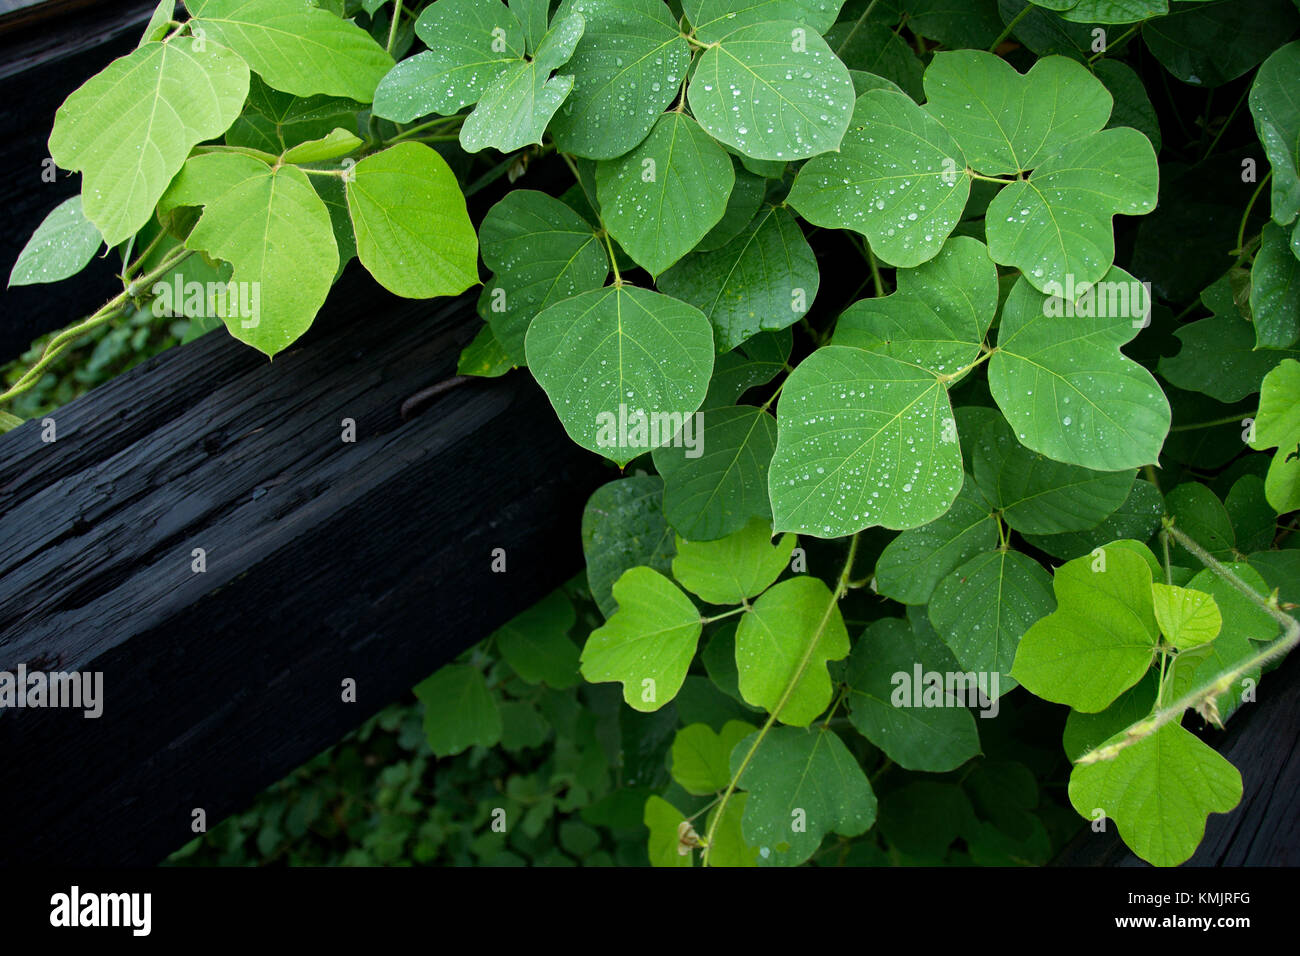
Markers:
987,483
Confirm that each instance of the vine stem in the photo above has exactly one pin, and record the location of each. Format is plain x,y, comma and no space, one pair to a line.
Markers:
866,14
1122,37
1227,420
106,313
1010,26
1220,684
841,588
392,30
1241,229
431,124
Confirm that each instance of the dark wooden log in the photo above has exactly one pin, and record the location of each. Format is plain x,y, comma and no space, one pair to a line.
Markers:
326,560
1262,741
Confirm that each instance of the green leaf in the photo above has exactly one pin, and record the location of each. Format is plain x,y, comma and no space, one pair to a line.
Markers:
1037,495
1055,227
1111,11
542,252
1132,104
663,820
1065,387
729,847
724,485
1218,356
664,196
922,818
1100,639
1242,618
1275,105
648,644
159,22
622,366
1209,44
1187,617
758,360
898,179
701,757
802,785
1159,792
793,624
1278,425
532,16
1199,512
162,99
1254,522
1275,290
984,608
733,568
938,316
742,206
714,19
875,48
914,563
763,279
516,109
471,43
916,737
62,245
862,439
623,526
956,23
1007,123
338,142
1137,518
459,713
536,643
772,90
413,231
295,47
627,69
484,356
273,121
276,232
1084,732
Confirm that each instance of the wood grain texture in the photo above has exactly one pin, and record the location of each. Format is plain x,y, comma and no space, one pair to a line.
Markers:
326,560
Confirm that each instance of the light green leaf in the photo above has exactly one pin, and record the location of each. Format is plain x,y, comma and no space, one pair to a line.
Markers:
1187,617
802,785
714,19
536,643
129,128
459,713
983,609
484,356
276,232
1275,290
338,142
862,439
1111,11
542,252
1055,227
648,644
1084,732
1278,425
938,316
664,820
1005,122
718,491
764,279
1064,386
1037,495
159,22
701,758
295,47
62,245
1242,618
772,90
773,641
1159,792
1100,639
916,737
664,196
622,366
413,231
515,110
914,563
274,121
1275,105
623,526
471,43
898,178
532,16
729,847
627,69
731,569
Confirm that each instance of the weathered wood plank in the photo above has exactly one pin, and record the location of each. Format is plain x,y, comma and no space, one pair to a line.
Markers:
326,560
